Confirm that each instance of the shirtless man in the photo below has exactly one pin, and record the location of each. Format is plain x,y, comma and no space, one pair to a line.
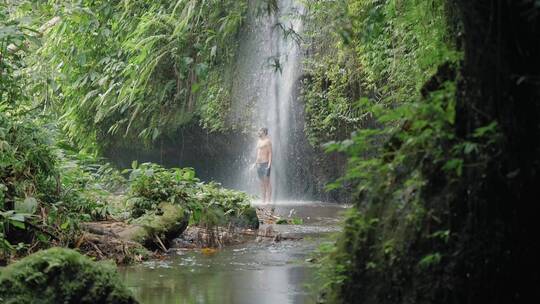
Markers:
263,163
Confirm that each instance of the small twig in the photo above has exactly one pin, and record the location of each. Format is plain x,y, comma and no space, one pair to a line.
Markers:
34,244
220,244
101,255
79,242
160,243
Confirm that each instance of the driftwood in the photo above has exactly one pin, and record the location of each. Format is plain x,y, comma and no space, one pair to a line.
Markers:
107,247
125,242
266,215
102,228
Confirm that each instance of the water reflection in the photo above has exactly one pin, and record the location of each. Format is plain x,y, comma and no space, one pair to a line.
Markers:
258,273
251,273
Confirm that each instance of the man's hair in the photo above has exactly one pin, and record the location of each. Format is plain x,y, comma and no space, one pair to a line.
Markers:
264,130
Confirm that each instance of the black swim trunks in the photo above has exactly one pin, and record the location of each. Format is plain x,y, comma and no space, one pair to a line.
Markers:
263,170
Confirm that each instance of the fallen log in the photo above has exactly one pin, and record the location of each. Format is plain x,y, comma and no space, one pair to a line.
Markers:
126,242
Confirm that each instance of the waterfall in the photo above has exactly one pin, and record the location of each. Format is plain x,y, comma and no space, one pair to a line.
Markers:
265,77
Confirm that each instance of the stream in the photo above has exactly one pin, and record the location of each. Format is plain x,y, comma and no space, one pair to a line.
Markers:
253,272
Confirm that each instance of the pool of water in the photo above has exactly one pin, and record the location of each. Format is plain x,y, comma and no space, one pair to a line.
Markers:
253,272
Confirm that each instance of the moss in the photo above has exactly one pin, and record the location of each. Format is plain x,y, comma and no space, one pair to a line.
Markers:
60,275
169,222
248,218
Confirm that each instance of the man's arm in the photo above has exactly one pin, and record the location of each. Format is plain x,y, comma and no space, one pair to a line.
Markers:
256,155
255,161
269,154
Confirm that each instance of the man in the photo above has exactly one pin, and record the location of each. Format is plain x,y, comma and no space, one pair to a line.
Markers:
263,163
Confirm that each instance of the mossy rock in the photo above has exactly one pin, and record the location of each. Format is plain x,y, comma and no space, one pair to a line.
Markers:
248,219
60,275
169,223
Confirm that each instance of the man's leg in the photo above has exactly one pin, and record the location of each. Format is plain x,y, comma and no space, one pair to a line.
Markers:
268,189
263,190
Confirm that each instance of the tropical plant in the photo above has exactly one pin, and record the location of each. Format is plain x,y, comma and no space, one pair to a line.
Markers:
209,204
138,68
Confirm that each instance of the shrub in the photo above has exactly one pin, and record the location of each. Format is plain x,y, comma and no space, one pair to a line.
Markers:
61,275
209,204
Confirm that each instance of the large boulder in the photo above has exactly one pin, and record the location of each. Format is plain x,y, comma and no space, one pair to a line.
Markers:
60,275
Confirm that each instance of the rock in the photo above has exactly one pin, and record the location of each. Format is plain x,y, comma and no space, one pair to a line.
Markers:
266,215
268,231
200,237
172,221
248,219
182,242
59,275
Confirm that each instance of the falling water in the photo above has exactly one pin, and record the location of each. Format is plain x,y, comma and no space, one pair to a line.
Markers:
266,75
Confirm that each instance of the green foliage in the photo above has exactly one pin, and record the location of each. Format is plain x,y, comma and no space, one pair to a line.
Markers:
12,37
36,177
61,276
85,191
405,62
9,220
290,221
333,81
27,175
281,221
430,259
405,165
151,184
97,69
382,49
27,160
209,204
138,68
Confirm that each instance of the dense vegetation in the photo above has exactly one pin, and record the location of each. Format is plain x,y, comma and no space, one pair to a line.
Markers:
435,104
209,204
50,116
131,68
392,50
437,208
